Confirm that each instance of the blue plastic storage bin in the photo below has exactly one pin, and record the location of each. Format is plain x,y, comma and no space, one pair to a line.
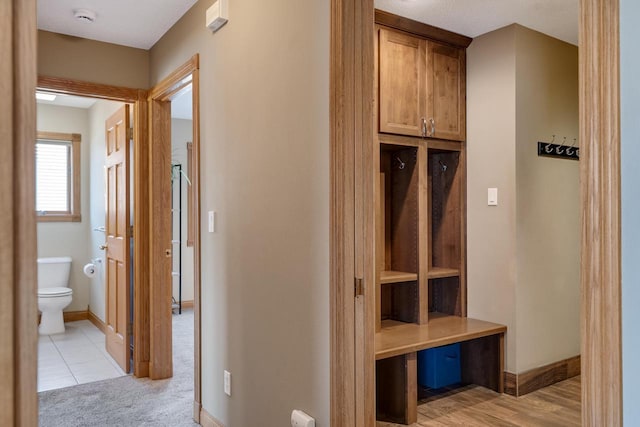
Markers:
439,367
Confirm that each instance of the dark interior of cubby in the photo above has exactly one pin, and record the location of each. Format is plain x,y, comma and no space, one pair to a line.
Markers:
399,190
444,296
391,383
399,301
445,191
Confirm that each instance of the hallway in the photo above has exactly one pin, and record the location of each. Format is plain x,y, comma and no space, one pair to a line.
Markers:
127,401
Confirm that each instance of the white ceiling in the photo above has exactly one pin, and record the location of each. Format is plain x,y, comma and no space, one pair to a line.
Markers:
557,18
69,101
141,23
180,106
135,23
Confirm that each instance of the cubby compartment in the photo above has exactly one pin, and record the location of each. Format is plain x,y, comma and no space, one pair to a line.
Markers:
394,379
398,209
399,302
397,234
446,205
445,296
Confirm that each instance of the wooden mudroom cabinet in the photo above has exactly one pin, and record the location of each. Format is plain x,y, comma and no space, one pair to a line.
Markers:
420,216
422,86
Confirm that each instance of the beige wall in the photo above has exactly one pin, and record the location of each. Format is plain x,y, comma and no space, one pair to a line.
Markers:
89,60
548,205
181,133
265,170
491,155
57,239
523,255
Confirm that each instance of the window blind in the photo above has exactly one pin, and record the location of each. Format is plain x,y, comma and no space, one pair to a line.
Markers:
53,176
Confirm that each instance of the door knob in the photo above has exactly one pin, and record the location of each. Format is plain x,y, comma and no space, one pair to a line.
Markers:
103,247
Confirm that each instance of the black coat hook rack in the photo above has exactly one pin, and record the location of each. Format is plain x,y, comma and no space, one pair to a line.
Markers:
559,151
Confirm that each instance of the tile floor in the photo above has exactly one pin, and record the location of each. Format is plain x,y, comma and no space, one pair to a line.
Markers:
77,356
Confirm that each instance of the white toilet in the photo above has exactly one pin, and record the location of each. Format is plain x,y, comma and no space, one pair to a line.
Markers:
54,293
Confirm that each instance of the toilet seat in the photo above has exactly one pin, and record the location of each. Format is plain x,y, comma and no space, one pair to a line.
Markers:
54,292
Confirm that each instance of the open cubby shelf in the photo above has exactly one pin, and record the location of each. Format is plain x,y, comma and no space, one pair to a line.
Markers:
399,208
444,296
399,302
397,216
387,277
445,214
440,272
419,232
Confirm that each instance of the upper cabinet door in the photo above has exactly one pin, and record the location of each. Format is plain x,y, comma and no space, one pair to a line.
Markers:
402,83
446,70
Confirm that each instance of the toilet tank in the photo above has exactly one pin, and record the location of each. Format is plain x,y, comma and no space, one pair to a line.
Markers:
54,272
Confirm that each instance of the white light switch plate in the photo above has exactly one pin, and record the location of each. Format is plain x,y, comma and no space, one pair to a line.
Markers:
492,197
227,383
212,221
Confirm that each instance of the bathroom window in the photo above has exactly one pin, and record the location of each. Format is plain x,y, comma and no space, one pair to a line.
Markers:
58,177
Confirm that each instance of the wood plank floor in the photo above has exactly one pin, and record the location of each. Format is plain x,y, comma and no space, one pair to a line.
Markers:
556,405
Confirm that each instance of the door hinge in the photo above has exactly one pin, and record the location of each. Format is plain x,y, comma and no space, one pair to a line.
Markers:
131,231
129,328
358,287
130,133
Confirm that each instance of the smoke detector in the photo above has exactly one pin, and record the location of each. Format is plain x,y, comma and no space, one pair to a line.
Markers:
84,15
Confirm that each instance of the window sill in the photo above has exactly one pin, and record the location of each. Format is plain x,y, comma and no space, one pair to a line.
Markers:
59,218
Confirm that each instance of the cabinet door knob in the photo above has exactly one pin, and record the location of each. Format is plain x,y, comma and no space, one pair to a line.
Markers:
424,127
433,127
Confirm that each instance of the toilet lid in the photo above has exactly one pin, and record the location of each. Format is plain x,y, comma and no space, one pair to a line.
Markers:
54,292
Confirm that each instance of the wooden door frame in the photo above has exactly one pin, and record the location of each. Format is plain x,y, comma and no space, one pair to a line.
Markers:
351,214
137,97
159,107
351,252
18,303
600,174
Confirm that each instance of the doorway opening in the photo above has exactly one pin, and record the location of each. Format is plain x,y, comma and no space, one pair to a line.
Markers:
353,399
456,284
155,231
73,251
176,144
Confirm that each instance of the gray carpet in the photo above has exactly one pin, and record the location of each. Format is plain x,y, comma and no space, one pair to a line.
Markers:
128,401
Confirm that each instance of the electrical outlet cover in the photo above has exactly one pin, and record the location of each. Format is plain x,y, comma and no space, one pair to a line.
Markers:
300,419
